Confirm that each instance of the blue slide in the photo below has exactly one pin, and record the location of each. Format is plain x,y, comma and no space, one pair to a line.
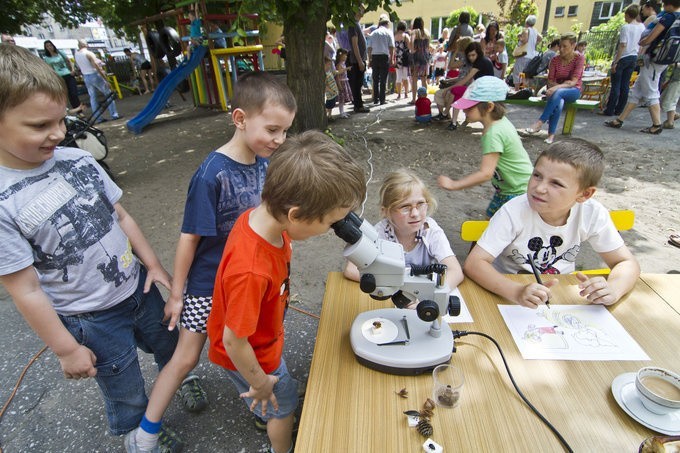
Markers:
164,90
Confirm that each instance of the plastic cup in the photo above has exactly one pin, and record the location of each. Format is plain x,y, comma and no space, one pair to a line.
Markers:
448,385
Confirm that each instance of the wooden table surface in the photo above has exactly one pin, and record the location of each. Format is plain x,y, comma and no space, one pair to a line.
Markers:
667,286
351,408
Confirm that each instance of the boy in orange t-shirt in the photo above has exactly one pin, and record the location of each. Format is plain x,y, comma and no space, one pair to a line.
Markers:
311,183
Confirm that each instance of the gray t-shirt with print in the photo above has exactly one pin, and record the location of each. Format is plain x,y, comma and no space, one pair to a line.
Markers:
60,219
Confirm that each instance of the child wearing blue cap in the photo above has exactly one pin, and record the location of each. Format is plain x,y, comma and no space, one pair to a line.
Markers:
423,107
504,160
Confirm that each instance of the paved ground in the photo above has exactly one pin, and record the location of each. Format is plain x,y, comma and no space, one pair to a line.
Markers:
51,414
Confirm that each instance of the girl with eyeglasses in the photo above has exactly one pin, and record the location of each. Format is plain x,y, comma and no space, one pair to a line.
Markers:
406,205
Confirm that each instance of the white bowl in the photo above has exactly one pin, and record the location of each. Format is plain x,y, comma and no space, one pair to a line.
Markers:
659,389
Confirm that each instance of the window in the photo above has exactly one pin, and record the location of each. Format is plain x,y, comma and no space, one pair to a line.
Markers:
573,10
559,11
437,24
609,10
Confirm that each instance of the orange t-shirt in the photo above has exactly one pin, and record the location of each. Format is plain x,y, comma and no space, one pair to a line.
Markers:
251,295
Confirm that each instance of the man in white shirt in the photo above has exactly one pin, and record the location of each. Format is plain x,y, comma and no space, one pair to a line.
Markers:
380,57
624,62
95,79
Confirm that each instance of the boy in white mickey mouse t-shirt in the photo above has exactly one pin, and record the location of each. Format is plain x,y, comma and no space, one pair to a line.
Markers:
547,225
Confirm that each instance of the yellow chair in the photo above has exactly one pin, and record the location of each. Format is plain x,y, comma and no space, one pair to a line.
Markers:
596,91
471,231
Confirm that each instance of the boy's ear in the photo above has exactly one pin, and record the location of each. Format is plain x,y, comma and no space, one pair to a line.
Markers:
587,193
238,116
293,214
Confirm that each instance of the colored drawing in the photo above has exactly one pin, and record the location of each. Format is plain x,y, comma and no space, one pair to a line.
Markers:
570,332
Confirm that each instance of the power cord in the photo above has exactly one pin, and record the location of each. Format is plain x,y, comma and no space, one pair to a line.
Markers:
16,386
462,333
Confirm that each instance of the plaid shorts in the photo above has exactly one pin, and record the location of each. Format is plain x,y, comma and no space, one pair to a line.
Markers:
195,313
497,201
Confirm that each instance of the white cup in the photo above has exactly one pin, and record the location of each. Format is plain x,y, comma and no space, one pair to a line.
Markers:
659,389
448,385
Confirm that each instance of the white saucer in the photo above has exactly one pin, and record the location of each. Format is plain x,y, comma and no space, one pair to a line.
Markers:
388,331
625,394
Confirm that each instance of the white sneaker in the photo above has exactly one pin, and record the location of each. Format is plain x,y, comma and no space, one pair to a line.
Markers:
132,447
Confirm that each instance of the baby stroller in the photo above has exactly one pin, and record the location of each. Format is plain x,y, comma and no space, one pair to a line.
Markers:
80,133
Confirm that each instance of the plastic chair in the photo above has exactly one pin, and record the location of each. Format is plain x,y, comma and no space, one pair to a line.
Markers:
472,230
596,91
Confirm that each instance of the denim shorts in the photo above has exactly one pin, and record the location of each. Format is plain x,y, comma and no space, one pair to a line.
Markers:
497,201
285,391
114,335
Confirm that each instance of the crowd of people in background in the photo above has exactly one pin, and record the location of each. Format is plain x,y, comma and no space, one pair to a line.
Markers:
394,59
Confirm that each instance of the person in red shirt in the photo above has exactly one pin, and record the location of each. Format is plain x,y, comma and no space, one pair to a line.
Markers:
423,107
311,183
564,85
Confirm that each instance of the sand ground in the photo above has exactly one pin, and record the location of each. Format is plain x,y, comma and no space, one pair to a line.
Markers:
50,413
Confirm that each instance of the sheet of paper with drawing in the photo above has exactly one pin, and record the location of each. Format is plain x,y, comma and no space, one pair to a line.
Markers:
464,315
570,332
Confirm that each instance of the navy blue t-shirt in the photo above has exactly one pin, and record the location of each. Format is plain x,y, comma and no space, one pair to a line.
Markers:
219,192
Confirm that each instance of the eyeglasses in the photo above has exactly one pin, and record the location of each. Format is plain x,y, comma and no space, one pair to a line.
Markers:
406,210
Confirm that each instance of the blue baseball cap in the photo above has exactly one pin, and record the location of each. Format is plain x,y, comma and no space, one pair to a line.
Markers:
484,89
422,91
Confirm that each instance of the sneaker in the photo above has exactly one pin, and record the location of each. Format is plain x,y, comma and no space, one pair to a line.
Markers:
193,396
131,446
169,441
452,126
441,117
260,423
362,110
114,118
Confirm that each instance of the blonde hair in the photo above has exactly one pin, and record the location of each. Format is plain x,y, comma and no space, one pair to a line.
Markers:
463,42
313,173
23,74
399,185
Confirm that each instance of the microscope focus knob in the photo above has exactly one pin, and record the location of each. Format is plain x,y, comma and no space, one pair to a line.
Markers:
367,283
428,310
454,306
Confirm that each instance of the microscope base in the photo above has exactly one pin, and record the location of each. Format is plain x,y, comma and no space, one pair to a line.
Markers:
371,331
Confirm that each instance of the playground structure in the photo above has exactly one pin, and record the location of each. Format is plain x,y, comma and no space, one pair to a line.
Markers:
231,45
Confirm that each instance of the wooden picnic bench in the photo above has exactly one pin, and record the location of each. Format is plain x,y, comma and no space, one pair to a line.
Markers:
570,109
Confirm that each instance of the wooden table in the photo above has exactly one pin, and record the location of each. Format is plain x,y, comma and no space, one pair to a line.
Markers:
667,286
350,408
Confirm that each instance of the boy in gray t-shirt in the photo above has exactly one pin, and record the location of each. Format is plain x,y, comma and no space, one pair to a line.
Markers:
71,253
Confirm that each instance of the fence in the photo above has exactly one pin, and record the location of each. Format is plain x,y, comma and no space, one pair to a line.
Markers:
601,44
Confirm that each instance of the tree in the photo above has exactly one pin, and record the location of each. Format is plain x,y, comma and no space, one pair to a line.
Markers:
304,24
452,20
68,13
520,10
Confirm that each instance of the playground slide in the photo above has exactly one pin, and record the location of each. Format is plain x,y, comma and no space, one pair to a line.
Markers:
164,90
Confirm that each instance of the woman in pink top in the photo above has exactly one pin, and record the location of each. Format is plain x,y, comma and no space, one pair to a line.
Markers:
564,85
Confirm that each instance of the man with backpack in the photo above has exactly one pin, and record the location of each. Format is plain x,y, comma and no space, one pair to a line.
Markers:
662,41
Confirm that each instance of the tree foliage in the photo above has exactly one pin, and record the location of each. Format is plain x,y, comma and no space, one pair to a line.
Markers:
520,10
613,24
68,13
517,10
452,20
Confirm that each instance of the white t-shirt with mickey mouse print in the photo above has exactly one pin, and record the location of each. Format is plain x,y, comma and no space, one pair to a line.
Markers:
516,231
